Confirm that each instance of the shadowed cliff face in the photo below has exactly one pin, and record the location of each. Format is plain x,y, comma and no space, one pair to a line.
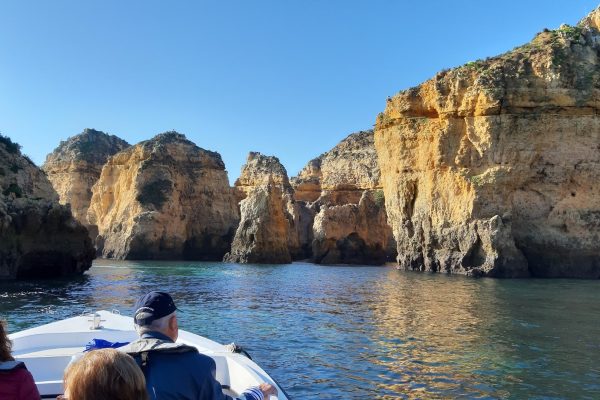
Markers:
75,166
164,198
38,237
491,168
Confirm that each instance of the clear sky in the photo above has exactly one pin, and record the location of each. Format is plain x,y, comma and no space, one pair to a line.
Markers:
286,78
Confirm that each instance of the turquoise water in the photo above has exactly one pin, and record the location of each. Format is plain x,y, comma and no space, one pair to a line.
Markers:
360,332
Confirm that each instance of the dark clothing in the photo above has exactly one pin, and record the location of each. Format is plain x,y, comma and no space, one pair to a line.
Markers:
176,371
16,383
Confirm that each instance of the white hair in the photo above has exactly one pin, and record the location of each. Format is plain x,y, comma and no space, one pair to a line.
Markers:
158,325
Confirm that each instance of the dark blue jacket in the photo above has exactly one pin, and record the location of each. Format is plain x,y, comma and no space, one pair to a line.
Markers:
180,374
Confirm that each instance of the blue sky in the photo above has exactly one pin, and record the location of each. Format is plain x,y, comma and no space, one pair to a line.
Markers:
286,78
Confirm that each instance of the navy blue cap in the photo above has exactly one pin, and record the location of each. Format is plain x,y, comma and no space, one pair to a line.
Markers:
153,306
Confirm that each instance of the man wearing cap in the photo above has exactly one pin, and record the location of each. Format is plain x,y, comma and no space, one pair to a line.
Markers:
175,370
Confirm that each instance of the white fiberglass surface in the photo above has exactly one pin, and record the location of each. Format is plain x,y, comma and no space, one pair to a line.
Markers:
48,349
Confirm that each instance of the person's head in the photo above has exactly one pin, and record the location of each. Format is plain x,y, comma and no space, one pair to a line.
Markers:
5,343
105,374
155,312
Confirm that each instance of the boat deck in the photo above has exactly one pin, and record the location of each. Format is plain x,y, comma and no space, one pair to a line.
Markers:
47,350
52,352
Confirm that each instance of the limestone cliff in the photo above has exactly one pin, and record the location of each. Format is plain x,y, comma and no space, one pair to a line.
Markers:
334,213
262,236
342,173
261,170
38,237
352,233
75,166
343,191
164,198
342,187
491,168
272,225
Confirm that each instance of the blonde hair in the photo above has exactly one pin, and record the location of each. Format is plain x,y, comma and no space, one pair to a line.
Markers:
105,374
5,343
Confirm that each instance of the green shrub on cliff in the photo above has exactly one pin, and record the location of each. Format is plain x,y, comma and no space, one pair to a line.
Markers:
379,198
478,65
9,145
13,188
571,32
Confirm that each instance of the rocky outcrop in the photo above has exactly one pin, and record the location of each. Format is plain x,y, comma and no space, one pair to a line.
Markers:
38,237
342,173
342,188
490,168
263,233
75,166
261,170
352,233
272,223
164,198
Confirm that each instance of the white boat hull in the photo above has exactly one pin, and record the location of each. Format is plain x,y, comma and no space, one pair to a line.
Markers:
48,349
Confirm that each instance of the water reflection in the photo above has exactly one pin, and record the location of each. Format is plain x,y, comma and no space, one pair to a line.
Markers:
427,331
356,332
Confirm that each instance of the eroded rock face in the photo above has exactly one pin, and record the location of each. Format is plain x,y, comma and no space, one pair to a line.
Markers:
352,233
271,221
342,188
38,237
75,166
491,168
262,236
261,170
344,172
164,198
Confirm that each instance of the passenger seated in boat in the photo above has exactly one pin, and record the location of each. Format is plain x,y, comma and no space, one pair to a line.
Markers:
104,374
175,370
15,381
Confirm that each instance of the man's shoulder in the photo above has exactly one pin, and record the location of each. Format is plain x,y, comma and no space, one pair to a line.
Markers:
154,345
197,357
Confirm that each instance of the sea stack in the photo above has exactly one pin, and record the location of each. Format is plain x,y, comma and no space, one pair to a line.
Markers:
39,238
164,198
75,166
267,231
491,169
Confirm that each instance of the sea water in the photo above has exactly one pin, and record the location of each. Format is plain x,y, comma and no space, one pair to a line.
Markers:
355,332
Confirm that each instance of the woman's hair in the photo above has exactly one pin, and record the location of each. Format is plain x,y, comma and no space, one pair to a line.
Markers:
5,343
105,374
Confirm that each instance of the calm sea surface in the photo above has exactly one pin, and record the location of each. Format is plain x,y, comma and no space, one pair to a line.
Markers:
360,332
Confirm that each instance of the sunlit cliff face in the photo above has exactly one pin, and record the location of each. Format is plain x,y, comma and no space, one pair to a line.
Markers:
164,198
489,169
75,166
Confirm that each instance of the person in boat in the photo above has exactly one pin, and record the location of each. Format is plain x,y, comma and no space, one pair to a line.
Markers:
175,370
104,374
15,381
